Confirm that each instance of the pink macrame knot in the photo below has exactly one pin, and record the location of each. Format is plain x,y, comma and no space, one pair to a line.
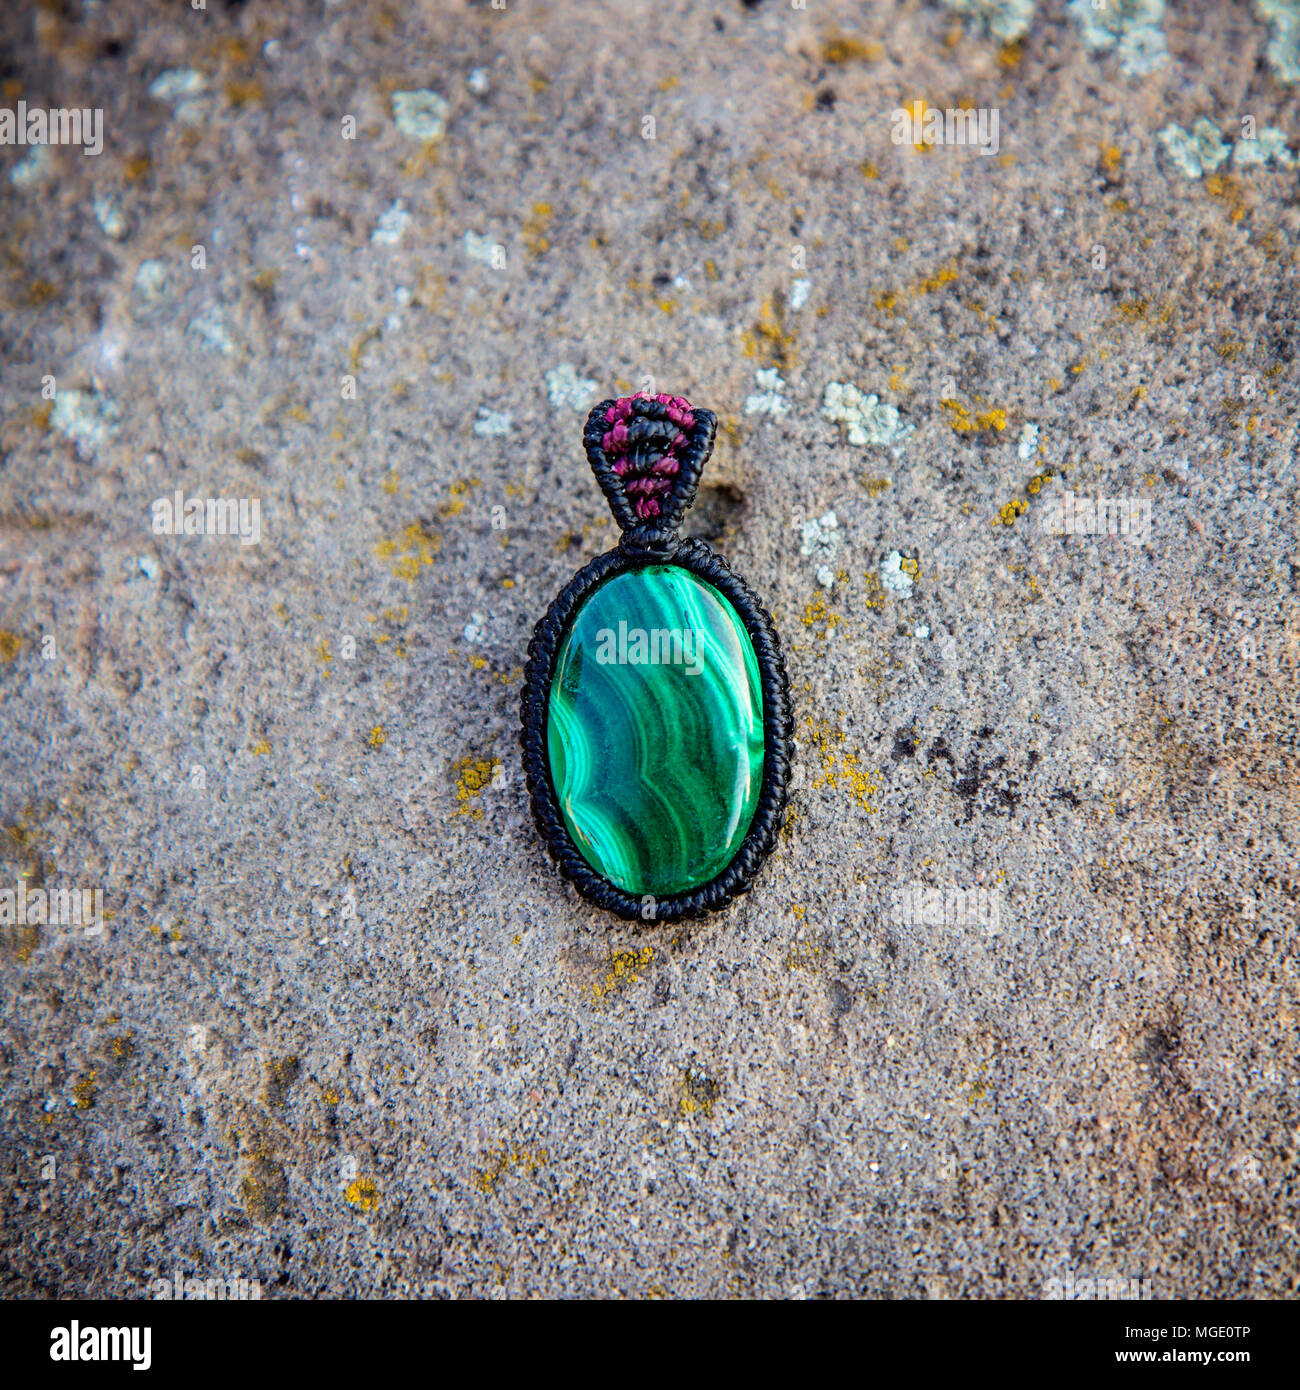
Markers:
648,465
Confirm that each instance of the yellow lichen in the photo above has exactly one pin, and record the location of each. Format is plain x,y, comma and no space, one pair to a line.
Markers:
362,1193
458,494
697,1093
818,614
838,49
963,422
802,958
769,340
622,971
945,275
1017,507
534,233
837,768
408,552
243,93
527,1160
889,301
473,776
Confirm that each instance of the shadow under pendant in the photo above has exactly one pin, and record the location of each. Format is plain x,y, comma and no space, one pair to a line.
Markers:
656,708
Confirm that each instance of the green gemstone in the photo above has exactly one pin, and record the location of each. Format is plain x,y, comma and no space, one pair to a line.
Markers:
655,730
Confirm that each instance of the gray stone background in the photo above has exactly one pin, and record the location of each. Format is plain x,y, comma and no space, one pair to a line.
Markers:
345,1031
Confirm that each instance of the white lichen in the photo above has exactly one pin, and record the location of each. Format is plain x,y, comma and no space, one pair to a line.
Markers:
1007,20
820,538
893,576
567,390
1198,153
869,421
32,171
210,326
1130,27
768,400
85,417
493,423
1283,51
1268,147
392,225
1027,445
177,84
483,248
421,115
150,284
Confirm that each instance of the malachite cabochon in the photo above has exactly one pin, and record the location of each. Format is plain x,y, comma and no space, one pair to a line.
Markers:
655,730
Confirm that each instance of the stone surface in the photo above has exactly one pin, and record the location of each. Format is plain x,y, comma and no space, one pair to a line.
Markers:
655,730
347,1031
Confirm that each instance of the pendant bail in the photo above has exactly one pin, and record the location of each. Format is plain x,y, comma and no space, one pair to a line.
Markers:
647,453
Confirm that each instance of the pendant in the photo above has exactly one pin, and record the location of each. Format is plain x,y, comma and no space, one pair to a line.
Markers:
656,709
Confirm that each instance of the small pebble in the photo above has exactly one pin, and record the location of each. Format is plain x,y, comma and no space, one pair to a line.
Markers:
150,283
108,213
32,171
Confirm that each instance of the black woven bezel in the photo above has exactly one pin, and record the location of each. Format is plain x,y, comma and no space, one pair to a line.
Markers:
778,731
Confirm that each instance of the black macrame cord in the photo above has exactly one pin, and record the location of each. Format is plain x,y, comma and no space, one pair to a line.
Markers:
653,540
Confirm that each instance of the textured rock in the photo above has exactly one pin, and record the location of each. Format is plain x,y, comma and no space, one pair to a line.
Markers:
292,767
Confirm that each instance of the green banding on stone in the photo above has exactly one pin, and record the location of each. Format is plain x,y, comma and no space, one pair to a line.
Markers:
655,730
